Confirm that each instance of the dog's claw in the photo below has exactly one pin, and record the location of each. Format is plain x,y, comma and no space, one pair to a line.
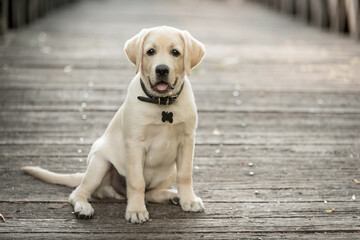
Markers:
83,210
192,205
175,201
82,216
137,217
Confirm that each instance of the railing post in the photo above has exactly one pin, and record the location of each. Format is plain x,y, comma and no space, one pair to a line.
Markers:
4,16
353,11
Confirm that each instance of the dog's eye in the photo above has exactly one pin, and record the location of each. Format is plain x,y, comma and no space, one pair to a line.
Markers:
150,52
175,53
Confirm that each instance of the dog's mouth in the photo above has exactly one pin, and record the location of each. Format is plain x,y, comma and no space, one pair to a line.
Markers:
162,86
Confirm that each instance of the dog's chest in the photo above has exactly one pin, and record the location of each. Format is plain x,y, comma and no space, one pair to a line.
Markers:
162,142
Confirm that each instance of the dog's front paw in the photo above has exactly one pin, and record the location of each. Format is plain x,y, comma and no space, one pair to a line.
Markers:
193,204
137,216
83,210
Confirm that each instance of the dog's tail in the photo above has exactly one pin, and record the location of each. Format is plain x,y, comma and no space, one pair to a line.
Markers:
71,180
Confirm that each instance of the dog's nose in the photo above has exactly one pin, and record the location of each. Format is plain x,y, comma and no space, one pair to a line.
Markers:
162,70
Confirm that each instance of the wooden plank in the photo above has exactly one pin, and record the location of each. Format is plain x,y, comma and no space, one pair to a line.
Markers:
337,15
32,10
212,191
172,236
325,13
89,53
353,17
277,5
17,13
303,9
345,164
232,225
4,16
66,136
264,77
278,176
288,6
32,128
43,121
104,211
201,151
296,127
110,100
87,134
319,14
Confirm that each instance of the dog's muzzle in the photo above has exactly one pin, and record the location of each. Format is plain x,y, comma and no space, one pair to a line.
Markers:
162,84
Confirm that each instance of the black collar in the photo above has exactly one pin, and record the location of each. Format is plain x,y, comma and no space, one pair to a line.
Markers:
158,100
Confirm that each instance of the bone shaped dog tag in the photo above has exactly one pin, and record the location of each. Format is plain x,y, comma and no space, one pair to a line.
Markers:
167,116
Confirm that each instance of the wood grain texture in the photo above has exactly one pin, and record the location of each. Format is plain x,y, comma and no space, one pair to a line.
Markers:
274,97
277,235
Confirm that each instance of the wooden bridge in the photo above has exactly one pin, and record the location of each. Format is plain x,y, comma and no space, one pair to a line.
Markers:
278,143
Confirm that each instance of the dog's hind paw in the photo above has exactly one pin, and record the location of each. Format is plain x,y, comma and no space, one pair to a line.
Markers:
175,200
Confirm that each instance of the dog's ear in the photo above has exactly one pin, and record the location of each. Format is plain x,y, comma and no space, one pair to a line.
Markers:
193,51
134,48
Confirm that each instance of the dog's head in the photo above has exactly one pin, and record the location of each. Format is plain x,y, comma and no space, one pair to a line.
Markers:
164,55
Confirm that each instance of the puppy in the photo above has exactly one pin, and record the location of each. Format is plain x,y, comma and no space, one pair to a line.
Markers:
150,141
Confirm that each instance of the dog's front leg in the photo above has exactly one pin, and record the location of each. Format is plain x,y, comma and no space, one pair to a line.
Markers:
184,163
135,210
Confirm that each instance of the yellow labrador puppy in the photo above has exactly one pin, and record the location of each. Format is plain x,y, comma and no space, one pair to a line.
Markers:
150,141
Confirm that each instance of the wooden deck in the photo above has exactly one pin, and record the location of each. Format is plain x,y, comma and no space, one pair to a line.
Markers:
275,97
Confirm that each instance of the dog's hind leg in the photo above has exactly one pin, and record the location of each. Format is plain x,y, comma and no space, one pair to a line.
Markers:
94,174
163,193
106,190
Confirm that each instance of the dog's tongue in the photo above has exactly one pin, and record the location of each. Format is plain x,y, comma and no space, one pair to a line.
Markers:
161,86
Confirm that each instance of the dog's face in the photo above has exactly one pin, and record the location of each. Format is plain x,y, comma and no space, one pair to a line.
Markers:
163,60
164,55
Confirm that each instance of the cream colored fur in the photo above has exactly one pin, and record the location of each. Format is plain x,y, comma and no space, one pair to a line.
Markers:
150,153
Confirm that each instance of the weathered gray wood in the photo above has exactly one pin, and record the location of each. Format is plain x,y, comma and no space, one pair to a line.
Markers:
17,13
225,192
285,181
83,57
25,210
288,6
353,16
250,128
259,218
333,14
246,122
337,15
60,210
172,236
201,151
303,9
32,10
304,77
277,177
4,16
110,100
296,127
66,136
319,14
232,225
345,161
